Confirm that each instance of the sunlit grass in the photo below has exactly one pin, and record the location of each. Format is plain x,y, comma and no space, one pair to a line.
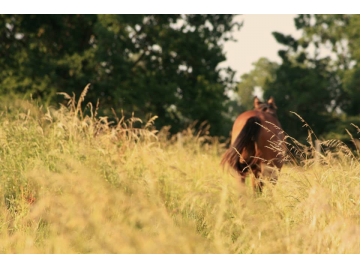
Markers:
71,183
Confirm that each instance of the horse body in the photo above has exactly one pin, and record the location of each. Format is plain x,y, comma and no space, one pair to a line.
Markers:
257,144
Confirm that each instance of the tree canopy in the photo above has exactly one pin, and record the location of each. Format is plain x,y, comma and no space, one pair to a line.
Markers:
323,90
168,65
164,65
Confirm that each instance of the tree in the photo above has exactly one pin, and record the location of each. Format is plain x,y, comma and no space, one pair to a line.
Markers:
304,90
165,65
43,54
324,91
262,73
341,32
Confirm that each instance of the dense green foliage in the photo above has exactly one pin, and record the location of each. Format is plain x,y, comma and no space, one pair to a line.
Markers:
164,65
323,90
167,65
262,73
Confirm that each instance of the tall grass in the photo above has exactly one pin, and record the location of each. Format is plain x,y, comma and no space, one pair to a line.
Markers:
71,182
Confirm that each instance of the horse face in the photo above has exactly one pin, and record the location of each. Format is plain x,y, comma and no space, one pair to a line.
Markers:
269,106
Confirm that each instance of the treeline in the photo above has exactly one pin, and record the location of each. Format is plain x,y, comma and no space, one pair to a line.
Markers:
167,65
323,89
164,65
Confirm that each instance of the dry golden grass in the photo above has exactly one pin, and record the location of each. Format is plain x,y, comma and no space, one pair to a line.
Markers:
70,183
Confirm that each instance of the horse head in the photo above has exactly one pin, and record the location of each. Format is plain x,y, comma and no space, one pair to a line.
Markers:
269,106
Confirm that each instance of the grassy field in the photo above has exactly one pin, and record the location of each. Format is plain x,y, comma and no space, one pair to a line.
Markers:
69,183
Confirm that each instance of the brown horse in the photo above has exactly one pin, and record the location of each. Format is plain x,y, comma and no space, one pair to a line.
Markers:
257,144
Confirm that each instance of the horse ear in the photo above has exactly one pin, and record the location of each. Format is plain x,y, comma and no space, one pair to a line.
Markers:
256,102
272,103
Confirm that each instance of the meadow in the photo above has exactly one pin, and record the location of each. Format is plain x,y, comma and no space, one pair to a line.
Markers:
72,183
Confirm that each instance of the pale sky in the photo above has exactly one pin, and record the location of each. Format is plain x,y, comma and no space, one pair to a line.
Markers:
255,40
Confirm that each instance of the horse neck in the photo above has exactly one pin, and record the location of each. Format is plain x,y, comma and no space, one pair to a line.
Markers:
272,117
